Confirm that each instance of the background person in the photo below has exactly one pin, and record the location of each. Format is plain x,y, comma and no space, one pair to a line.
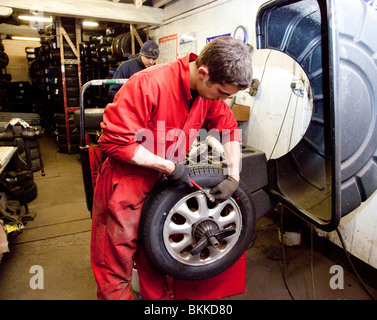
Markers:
148,56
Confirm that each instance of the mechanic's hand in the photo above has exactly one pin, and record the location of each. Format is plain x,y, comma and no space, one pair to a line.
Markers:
180,175
224,190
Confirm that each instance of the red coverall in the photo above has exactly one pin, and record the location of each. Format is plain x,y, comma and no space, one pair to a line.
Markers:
156,99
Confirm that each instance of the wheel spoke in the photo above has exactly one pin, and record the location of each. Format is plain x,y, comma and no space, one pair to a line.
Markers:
216,211
203,206
190,216
173,228
231,217
214,252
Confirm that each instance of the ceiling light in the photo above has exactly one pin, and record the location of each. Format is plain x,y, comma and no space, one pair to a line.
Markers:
90,24
25,38
5,12
36,18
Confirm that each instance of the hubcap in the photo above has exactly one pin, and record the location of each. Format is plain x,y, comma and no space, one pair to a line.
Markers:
199,232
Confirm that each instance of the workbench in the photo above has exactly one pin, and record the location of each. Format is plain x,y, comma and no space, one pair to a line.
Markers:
6,154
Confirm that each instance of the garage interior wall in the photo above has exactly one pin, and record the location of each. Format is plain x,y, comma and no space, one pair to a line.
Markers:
18,65
278,114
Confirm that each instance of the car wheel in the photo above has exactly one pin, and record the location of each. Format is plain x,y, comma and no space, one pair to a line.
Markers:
188,237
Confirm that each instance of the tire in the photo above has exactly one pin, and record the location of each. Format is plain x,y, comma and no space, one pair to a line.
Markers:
121,45
31,193
63,148
159,215
71,70
34,154
62,138
93,118
4,60
60,118
62,129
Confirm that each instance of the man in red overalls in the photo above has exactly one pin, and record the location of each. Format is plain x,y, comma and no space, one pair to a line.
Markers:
185,95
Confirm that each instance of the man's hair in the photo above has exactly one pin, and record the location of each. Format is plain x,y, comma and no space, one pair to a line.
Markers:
228,61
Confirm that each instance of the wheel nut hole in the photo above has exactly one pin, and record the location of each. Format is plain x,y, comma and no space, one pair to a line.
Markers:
226,211
193,204
176,237
178,219
204,254
186,253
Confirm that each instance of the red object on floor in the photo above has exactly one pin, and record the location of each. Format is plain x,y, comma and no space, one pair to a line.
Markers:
225,284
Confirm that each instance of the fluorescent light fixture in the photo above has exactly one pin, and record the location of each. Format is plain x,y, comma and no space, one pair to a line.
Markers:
36,18
5,12
90,24
25,38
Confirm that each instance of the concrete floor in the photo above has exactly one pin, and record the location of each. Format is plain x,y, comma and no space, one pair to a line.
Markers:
58,240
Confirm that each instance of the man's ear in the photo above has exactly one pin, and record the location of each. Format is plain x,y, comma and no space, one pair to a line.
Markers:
203,73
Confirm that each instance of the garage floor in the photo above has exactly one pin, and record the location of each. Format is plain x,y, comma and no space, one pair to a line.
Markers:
58,241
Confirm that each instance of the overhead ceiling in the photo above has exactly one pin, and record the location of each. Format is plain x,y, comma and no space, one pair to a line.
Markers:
105,12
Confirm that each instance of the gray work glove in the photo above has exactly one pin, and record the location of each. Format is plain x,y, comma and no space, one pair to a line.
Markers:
224,190
180,175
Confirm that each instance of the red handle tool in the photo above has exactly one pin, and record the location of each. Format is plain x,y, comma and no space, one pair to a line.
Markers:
209,196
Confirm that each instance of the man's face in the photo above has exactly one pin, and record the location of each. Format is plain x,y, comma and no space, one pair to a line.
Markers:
148,62
216,91
209,90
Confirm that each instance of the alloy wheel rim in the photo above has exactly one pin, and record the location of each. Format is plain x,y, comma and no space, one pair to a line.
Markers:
178,235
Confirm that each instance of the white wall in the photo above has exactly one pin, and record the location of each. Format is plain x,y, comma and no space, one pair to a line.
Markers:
359,232
275,111
18,64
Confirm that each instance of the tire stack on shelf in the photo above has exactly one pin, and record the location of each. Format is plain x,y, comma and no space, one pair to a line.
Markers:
61,133
98,56
5,79
20,93
39,61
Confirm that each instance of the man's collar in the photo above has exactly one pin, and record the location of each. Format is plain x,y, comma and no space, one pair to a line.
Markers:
186,60
140,62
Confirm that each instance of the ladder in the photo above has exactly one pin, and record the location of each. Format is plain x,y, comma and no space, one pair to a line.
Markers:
63,35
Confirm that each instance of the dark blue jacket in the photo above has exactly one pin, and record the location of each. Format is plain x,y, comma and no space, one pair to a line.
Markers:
125,70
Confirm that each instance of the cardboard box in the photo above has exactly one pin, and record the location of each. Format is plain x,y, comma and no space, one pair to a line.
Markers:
241,113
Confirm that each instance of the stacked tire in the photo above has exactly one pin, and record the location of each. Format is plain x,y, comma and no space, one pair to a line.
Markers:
20,94
99,55
61,133
41,100
121,46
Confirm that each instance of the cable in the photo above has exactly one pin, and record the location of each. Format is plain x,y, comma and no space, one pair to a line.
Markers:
264,67
311,261
293,125
281,127
261,79
252,242
283,252
352,266
283,255
312,258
